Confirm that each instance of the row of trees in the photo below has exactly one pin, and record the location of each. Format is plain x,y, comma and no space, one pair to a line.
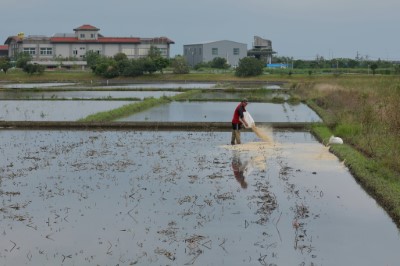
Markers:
321,62
23,62
5,64
120,65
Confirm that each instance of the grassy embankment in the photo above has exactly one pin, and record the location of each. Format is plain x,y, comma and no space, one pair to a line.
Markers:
132,108
365,112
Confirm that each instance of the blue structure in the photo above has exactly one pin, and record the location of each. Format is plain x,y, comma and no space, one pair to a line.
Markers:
278,65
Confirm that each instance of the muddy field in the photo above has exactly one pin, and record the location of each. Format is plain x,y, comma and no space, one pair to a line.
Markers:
184,198
21,110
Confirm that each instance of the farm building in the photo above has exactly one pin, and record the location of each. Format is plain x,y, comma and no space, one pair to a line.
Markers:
73,46
205,52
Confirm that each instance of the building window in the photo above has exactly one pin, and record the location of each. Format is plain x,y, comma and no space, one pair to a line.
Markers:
46,51
128,51
236,51
143,52
30,50
82,36
163,51
75,52
214,51
92,35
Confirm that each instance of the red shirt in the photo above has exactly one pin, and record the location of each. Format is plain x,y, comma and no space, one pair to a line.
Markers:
238,113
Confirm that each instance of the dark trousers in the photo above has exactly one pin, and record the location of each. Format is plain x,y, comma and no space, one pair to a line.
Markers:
235,139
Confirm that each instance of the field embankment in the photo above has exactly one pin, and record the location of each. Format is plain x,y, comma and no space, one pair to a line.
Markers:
365,113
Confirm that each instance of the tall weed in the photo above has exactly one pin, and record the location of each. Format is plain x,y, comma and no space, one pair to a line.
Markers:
365,111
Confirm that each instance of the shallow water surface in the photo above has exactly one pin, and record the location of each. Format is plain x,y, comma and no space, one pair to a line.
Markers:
266,96
53,110
15,94
162,86
34,85
184,198
223,111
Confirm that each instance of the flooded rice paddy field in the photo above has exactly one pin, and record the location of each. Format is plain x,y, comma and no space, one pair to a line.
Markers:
267,95
184,198
54,110
111,85
15,94
64,110
189,85
222,112
34,85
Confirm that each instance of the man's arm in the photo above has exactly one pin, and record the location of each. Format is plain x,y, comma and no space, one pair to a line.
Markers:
241,118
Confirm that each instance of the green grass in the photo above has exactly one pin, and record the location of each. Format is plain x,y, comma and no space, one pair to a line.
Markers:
365,112
379,181
124,110
129,109
17,75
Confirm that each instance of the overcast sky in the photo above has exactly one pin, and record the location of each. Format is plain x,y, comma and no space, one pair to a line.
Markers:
301,29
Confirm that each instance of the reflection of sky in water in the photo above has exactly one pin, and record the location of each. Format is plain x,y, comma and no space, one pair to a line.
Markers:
53,110
223,111
161,86
188,85
15,94
34,85
238,95
98,197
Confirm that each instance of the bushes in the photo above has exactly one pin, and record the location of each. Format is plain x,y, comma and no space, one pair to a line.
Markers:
249,66
33,68
180,66
5,64
120,65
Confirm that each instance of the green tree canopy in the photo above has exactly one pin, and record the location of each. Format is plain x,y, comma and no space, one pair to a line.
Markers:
5,64
179,65
249,66
22,59
373,67
92,59
120,57
154,52
219,62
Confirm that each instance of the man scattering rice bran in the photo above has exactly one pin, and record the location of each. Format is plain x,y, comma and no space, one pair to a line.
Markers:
237,121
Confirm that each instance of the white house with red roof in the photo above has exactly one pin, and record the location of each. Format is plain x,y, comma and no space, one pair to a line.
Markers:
72,47
3,50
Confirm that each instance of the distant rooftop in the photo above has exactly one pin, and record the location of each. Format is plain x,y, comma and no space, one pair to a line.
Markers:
64,35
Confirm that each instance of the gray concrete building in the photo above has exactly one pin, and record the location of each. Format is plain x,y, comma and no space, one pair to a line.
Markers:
73,46
205,52
262,49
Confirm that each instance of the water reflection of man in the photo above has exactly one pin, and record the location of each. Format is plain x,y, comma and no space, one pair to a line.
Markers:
238,169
